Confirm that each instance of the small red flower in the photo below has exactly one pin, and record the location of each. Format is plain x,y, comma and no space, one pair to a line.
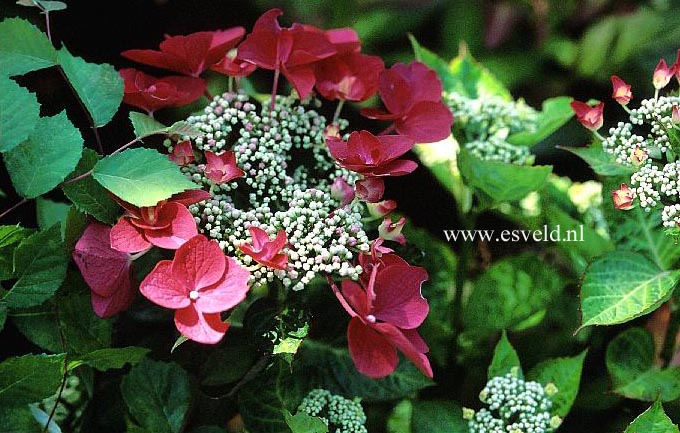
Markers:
191,54
623,197
412,96
106,271
222,168
292,51
200,283
370,189
662,74
391,231
150,93
342,192
182,153
380,209
373,155
266,251
166,225
621,91
590,117
385,314
233,66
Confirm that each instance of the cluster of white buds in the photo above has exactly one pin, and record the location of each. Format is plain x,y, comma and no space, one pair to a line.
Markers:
340,414
288,173
514,406
486,123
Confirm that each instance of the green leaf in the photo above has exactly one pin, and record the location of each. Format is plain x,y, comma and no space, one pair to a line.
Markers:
3,315
40,264
142,177
23,48
653,420
501,181
437,416
473,80
18,420
565,374
600,161
184,129
99,87
505,360
439,65
622,286
76,223
630,362
19,113
112,358
88,195
303,423
159,405
10,237
29,379
554,114
50,213
44,160
145,125
46,5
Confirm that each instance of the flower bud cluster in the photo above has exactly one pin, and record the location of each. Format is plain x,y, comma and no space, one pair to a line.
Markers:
514,406
340,414
487,122
286,185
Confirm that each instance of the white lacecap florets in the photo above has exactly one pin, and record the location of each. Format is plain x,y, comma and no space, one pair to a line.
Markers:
286,186
340,414
514,405
488,121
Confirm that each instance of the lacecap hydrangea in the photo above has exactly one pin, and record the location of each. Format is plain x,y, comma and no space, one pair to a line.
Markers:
340,414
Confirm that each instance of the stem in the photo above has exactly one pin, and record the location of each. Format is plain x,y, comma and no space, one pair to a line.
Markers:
77,178
341,298
668,350
47,23
13,207
338,109
230,84
208,95
100,148
126,145
598,136
274,89
254,371
62,341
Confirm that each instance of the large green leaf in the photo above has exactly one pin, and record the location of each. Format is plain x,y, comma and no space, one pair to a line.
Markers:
437,416
601,162
622,286
630,361
23,48
565,374
501,181
555,112
303,423
3,315
99,87
505,359
19,113
10,237
473,80
653,420
159,405
50,212
44,160
18,420
29,379
88,195
142,177
40,264
111,358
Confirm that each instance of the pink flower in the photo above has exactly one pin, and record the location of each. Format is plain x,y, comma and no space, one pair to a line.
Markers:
675,114
621,91
168,224
623,197
385,314
200,283
662,74
222,168
391,231
342,192
266,251
370,189
182,153
590,117
292,51
412,96
150,93
373,155
191,54
108,272
380,209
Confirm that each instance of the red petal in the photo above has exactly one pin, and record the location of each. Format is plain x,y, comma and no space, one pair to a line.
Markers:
120,299
226,293
127,238
355,297
200,327
373,355
378,114
395,92
409,343
187,54
160,287
423,81
301,78
223,41
400,167
182,228
190,196
261,46
198,263
393,146
344,39
397,296
426,122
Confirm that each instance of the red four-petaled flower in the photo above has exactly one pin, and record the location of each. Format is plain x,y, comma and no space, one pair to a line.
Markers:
590,117
265,251
222,168
373,155
150,93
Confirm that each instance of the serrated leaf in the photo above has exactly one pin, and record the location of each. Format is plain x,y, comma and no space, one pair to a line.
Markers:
10,237
601,162
23,48
29,379
111,358
473,80
88,195
17,420
50,212
145,125
44,160
40,264
653,420
437,416
99,87
142,177
46,5
505,360
76,223
565,374
19,113
555,112
159,405
622,286
630,362
184,129
303,423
